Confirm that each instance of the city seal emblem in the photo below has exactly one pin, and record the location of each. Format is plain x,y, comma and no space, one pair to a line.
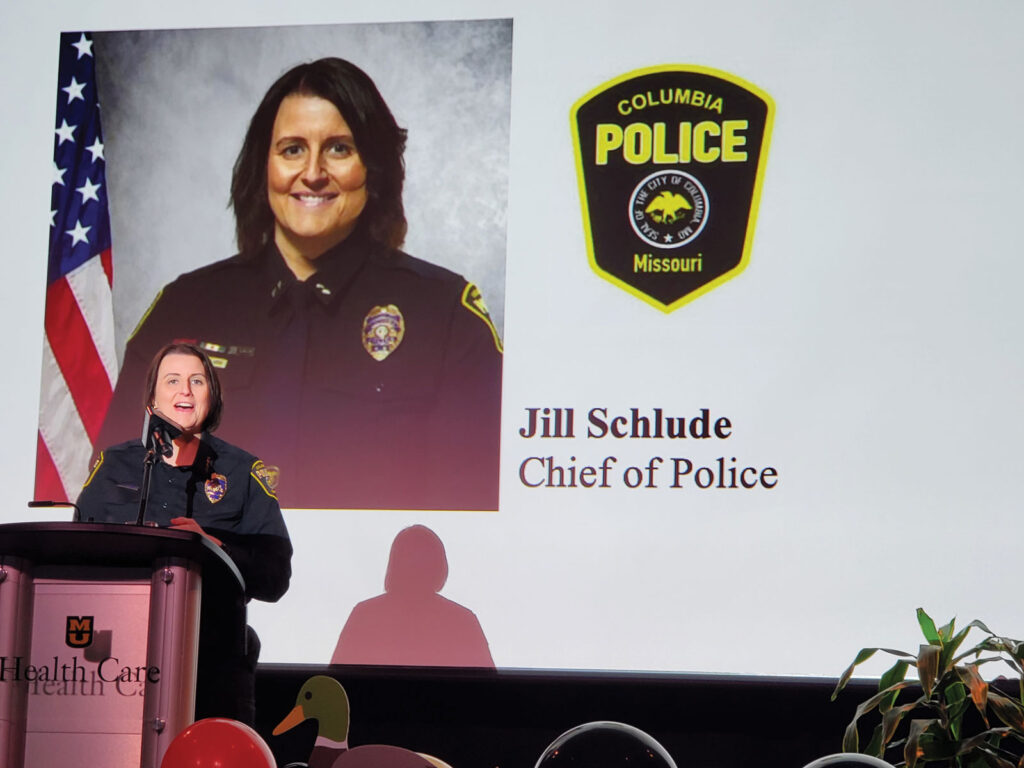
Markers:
670,161
668,209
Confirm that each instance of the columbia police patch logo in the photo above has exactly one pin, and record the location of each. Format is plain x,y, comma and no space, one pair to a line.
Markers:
383,331
670,162
78,633
268,476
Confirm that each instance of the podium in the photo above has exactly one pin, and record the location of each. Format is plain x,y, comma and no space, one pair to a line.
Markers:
99,638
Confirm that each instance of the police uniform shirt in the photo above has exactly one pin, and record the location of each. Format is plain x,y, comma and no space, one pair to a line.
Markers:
225,490
412,426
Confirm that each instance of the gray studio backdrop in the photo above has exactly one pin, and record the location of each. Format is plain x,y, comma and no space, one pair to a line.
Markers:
176,104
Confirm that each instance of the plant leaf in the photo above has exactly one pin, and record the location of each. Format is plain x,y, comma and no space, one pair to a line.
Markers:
874,746
995,761
956,703
980,739
1017,654
946,631
984,749
981,625
935,744
928,667
931,634
891,721
895,674
851,739
949,649
1007,710
985,756
866,706
863,655
912,750
977,686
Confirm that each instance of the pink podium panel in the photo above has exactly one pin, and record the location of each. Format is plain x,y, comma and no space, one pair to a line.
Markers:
99,634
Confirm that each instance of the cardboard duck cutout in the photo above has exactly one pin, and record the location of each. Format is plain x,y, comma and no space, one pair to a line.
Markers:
323,699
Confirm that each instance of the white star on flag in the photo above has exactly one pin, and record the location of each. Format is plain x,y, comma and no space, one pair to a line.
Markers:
66,132
83,46
74,90
58,174
88,191
96,149
78,234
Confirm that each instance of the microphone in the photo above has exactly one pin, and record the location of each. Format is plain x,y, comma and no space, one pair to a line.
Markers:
158,432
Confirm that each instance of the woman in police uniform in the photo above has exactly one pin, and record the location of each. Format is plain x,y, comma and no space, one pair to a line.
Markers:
212,488
370,378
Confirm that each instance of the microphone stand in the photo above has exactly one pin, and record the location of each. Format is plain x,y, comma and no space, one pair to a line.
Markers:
147,478
157,434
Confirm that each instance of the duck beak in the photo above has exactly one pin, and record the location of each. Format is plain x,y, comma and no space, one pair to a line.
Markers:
293,718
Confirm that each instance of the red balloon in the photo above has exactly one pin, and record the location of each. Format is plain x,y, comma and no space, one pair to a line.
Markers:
218,743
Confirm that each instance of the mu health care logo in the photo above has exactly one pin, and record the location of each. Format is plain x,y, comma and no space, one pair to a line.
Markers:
670,162
78,633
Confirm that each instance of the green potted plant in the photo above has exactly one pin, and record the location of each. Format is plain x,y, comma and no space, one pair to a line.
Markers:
957,718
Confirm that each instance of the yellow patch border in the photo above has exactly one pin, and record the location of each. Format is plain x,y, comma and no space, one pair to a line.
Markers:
755,201
482,315
253,470
146,314
95,468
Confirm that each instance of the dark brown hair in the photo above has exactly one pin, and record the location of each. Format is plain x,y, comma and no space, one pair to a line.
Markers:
181,348
379,141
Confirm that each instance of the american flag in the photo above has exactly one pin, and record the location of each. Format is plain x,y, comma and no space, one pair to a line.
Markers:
79,361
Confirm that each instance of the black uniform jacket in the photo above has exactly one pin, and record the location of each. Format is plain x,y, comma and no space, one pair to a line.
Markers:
225,490
376,383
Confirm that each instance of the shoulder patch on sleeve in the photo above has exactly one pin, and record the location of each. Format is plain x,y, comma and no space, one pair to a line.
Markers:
95,468
145,315
267,477
474,302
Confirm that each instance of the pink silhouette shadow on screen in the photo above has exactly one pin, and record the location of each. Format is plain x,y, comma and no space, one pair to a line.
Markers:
411,624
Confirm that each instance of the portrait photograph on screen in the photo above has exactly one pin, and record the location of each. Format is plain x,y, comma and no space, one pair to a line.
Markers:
367,376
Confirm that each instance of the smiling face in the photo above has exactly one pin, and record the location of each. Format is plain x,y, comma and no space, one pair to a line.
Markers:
182,392
316,181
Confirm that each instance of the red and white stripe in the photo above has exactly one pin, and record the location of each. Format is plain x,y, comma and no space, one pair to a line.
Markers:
79,373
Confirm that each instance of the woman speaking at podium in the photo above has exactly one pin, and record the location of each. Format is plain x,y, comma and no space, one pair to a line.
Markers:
202,484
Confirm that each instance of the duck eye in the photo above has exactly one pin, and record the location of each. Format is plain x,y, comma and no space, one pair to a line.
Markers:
309,695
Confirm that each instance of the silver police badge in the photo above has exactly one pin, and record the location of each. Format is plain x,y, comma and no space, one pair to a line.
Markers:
383,330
